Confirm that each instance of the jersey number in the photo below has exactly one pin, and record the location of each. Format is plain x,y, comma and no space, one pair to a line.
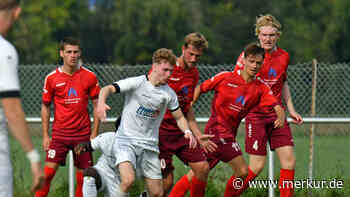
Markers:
51,153
255,145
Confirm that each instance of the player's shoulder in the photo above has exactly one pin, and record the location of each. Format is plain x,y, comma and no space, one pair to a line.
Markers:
52,74
282,52
260,82
88,72
222,75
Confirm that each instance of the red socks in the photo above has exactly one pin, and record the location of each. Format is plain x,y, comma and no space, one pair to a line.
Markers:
229,187
197,187
180,188
80,180
251,176
285,184
49,174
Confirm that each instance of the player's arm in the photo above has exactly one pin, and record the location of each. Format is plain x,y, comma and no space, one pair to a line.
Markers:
102,107
288,100
204,140
14,113
279,122
196,94
183,125
45,122
96,126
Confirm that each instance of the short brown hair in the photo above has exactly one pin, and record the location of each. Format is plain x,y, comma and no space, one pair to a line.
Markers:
253,49
197,40
164,54
69,41
267,20
8,4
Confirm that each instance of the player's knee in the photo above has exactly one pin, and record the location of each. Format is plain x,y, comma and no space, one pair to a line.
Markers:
92,172
168,182
127,182
242,171
288,162
156,192
201,170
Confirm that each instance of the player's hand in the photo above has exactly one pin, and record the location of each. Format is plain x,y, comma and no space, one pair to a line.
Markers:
279,122
82,147
38,176
193,141
101,111
297,119
46,142
93,135
206,143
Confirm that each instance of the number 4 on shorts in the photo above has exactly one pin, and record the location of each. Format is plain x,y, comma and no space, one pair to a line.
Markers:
255,145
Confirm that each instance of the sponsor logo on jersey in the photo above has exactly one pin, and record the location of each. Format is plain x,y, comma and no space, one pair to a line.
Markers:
73,92
272,73
184,90
240,99
146,112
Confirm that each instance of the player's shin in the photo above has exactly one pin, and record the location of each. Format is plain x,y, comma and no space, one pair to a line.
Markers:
79,189
181,187
89,187
286,176
197,187
44,190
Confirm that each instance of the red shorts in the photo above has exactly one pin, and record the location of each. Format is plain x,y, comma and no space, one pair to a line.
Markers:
227,150
59,148
170,145
261,130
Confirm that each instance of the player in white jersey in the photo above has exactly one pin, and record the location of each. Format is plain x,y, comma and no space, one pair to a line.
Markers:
146,99
10,105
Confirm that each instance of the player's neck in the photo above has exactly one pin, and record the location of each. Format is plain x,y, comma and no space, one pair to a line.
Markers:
69,69
271,50
182,63
246,77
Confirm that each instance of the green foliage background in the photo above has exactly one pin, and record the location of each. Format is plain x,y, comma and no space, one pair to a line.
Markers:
128,31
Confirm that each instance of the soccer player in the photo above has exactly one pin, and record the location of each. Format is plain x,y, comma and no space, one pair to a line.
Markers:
236,93
69,87
146,99
183,81
259,129
10,105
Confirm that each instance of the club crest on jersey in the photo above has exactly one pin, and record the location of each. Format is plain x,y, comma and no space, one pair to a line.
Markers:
72,92
240,99
272,73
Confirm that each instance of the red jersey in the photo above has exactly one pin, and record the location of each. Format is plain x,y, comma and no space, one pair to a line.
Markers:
232,101
274,73
70,94
183,82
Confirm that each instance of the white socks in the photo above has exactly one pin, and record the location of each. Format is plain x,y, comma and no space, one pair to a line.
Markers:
89,187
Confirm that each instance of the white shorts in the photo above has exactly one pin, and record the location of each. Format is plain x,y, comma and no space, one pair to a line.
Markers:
6,189
146,162
110,179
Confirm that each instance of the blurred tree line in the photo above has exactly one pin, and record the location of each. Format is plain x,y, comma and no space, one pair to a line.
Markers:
128,31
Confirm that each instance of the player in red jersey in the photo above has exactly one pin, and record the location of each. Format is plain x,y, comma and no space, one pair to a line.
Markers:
258,122
183,81
69,87
236,93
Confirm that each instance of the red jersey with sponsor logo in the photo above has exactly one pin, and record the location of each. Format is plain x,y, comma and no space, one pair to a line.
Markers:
274,73
233,99
70,94
183,82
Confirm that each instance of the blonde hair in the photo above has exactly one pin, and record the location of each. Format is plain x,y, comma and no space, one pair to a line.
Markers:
197,40
267,20
164,54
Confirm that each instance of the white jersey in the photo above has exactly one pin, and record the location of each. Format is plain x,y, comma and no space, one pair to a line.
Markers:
9,87
144,109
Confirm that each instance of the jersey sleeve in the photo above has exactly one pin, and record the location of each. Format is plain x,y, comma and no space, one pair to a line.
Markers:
210,84
173,103
239,62
128,84
267,97
9,82
48,91
94,89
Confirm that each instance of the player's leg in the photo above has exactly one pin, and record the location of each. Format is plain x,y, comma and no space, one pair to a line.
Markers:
282,142
92,182
55,156
150,168
199,178
154,187
127,176
167,146
81,161
238,179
